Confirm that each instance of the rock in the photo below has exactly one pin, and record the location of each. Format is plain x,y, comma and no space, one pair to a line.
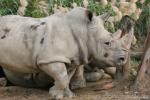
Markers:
106,76
94,76
3,81
133,72
110,70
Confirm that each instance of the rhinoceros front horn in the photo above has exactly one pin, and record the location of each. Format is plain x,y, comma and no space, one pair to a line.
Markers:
117,34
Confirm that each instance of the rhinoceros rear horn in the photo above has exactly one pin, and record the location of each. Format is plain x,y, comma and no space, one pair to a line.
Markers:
89,15
105,16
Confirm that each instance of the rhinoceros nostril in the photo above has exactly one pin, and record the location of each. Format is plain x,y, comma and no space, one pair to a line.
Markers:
106,55
121,59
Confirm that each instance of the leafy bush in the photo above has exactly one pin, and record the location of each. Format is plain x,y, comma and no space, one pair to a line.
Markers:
11,7
8,7
142,23
32,9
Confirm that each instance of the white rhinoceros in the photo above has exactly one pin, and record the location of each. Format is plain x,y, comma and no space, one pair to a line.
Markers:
56,46
95,72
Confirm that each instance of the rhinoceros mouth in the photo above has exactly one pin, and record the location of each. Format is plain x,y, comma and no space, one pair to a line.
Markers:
120,63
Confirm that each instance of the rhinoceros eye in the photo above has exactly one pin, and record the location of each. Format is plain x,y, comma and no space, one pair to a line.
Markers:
107,43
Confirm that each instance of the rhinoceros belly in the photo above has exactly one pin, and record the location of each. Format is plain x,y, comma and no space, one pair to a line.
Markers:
15,56
17,37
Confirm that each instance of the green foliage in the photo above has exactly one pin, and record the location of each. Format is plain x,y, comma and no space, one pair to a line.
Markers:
32,10
11,7
64,3
110,27
99,9
35,13
143,24
8,7
136,59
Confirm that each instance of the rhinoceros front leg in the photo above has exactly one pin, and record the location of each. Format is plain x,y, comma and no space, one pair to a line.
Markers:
58,72
78,80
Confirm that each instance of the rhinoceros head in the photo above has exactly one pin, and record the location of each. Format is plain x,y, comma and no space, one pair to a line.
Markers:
95,41
105,47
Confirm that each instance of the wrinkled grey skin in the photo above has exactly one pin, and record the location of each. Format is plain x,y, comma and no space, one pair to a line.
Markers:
56,46
93,70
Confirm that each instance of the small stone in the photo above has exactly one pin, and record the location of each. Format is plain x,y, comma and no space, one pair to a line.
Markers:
111,70
106,76
3,81
133,72
94,76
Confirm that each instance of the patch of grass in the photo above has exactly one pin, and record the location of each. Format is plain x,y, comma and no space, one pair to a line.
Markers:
134,63
32,9
8,7
142,23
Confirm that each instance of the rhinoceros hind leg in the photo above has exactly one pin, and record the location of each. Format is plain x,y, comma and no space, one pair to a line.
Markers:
58,72
25,80
78,80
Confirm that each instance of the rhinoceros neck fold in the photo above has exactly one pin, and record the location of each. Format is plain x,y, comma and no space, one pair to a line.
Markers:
80,36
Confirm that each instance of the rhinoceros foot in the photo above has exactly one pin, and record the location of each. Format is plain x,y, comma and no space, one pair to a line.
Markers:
68,93
56,94
78,83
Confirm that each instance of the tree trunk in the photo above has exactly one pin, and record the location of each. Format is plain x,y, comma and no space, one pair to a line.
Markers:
143,77
142,81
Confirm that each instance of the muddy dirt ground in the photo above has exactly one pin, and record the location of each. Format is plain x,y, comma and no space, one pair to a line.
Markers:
91,92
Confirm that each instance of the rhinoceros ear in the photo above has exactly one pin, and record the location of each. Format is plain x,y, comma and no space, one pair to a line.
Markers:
89,15
117,34
105,16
